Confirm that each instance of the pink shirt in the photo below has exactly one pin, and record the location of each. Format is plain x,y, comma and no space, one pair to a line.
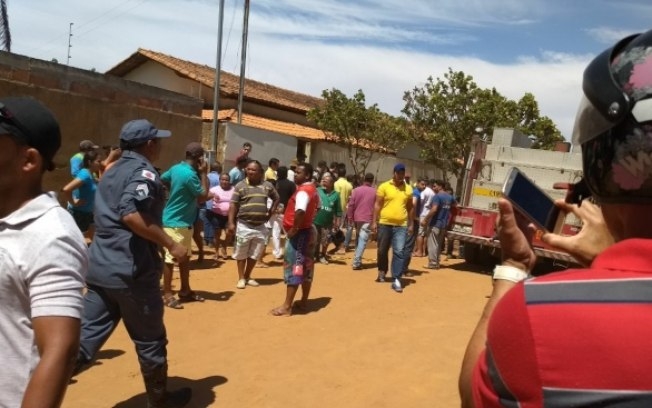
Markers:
221,200
361,204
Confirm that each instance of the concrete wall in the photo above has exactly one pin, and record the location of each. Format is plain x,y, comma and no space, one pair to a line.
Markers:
265,145
93,106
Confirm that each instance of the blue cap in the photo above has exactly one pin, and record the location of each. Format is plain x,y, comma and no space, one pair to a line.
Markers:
141,130
399,167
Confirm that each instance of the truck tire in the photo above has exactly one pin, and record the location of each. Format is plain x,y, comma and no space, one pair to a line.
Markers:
471,253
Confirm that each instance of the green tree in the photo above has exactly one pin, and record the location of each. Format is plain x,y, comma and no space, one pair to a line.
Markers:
445,112
363,130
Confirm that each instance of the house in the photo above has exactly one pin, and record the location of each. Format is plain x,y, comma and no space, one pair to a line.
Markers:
273,119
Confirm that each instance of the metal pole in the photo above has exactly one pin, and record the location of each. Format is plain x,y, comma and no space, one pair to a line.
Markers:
69,43
243,61
212,153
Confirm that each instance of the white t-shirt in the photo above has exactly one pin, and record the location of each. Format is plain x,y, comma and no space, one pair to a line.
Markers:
43,261
426,201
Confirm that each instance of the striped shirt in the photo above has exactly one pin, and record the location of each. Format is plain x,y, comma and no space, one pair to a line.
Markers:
251,201
577,338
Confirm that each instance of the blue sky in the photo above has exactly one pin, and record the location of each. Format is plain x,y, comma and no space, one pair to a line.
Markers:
383,47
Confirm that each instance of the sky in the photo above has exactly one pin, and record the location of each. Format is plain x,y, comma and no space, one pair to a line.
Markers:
384,47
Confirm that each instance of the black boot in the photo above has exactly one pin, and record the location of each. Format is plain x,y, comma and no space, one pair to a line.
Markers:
157,394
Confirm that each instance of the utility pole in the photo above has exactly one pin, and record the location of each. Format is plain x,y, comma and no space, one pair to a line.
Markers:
243,61
212,154
69,44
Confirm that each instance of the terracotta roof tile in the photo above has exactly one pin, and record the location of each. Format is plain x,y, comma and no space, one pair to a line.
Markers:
259,92
258,122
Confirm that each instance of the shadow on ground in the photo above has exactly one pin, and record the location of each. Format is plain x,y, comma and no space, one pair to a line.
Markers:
202,392
312,305
219,296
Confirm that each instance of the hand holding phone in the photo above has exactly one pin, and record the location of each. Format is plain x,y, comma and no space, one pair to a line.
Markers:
532,202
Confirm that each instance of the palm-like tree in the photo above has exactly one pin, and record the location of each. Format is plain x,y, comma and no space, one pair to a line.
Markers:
5,35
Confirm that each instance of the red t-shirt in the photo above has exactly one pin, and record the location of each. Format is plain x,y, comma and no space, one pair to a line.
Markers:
290,210
577,338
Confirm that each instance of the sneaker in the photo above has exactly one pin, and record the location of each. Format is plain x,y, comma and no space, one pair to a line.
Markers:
323,260
252,282
241,284
356,267
431,266
396,286
381,277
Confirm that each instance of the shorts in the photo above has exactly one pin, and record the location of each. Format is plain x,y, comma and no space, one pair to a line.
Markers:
217,221
84,220
298,251
323,236
423,231
250,241
181,235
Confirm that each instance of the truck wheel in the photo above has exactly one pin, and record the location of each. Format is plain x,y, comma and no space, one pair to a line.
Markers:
471,253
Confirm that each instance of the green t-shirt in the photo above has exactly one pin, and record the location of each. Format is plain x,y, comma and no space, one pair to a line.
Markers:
329,208
181,209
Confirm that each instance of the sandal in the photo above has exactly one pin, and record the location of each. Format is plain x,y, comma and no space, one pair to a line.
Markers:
172,303
190,297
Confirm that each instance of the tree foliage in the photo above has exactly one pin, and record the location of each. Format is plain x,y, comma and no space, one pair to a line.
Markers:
445,112
363,130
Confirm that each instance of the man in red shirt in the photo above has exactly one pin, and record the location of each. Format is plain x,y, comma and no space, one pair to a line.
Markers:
580,337
299,265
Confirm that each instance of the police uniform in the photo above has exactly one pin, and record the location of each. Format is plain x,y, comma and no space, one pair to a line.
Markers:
125,268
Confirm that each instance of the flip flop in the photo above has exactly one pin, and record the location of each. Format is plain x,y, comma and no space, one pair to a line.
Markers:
279,311
190,297
172,303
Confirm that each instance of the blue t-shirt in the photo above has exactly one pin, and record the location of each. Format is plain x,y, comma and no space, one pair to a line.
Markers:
416,193
181,209
236,175
76,162
85,192
444,202
213,181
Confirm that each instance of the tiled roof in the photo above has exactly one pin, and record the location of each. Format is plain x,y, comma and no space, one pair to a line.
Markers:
255,91
287,128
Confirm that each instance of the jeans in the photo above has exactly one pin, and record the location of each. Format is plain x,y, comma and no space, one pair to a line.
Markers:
209,231
394,236
410,242
348,235
363,233
141,310
435,244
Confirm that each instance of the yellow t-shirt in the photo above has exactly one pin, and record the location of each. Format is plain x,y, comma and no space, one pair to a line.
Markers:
345,188
270,174
395,201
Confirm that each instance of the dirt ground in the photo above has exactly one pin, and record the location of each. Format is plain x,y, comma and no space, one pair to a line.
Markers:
360,344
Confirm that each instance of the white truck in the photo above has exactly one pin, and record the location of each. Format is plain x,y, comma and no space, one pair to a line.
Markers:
475,221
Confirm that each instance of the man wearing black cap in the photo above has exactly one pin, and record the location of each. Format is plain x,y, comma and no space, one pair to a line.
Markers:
77,159
187,182
125,263
43,258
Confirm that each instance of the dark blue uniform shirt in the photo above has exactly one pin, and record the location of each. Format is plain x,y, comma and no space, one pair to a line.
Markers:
118,257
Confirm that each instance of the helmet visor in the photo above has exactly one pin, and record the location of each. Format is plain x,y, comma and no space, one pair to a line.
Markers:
589,123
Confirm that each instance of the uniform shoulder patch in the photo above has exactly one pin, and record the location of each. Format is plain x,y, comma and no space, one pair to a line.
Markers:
149,175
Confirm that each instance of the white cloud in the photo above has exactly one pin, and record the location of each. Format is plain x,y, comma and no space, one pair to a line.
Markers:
609,35
311,45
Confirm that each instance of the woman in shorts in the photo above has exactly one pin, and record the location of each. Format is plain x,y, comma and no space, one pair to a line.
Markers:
219,216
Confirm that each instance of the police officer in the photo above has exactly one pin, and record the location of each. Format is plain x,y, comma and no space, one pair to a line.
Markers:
125,263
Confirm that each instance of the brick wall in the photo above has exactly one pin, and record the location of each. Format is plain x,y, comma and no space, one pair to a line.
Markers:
94,106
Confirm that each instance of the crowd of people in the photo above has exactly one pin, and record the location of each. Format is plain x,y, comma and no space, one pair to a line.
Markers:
574,338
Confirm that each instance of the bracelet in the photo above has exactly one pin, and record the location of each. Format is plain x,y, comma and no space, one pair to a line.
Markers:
510,273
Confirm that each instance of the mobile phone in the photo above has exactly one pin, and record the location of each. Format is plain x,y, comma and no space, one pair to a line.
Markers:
532,202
